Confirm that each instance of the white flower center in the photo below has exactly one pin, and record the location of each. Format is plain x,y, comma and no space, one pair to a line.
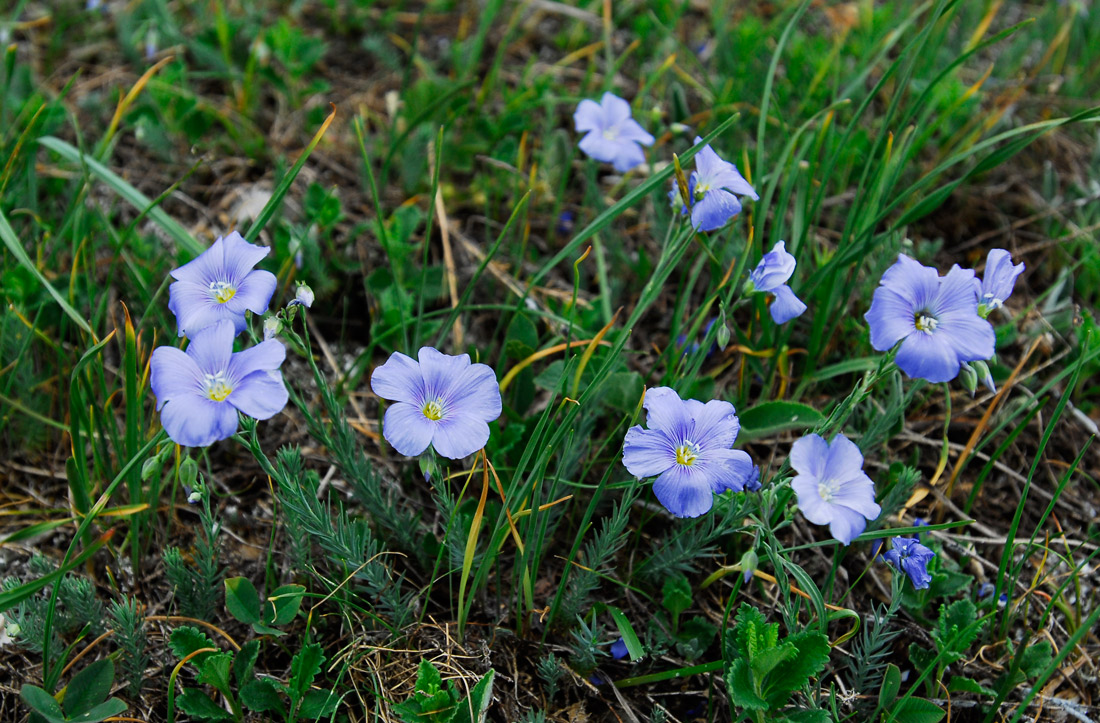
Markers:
611,133
217,387
828,489
433,409
686,454
926,323
222,291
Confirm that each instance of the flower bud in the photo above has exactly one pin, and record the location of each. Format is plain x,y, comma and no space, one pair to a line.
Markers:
968,377
272,327
303,297
749,562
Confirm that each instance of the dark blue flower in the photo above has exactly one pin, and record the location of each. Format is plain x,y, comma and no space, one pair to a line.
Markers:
911,558
619,650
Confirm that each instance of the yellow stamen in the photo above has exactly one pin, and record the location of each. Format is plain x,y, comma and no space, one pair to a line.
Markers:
686,455
433,410
223,291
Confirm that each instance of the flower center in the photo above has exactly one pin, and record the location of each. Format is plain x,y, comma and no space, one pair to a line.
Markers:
222,291
217,387
925,322
433,410
828,489
686,454
611,133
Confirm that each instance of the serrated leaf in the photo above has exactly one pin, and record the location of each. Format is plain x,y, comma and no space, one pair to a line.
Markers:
740,684
198,704
261,695
241,600
214,670
767,659
1035,658
773,417
245,661
812,655
304,667
745,630
318,704
920,657
185,640
103,711
676,595
891,684
428,679
917,710
42,703
283,604
808,715
89,687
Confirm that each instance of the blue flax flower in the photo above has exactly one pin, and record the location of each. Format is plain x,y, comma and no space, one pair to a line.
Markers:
221,284
441,400
935,319
611,135
997,281
687,448
831,486
912,558
712,186
619,649
200,391
771,276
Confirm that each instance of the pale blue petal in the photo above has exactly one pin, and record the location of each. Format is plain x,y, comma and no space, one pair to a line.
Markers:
714,210
399,380
729,469
808,456
846,524
204,268
774,269
473,392
196,309
459,436
628,155
928,356
194,421
891,318
630,130
858,493
615,109
716,424
407,429
786,305
253,294
999,278
589,116
265,356
666,412
647,452
813,508
260,395
440,370
212,347
173,374
843,460
913,281
240,258
684,491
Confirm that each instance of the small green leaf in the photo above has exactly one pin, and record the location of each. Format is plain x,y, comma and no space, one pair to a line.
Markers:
43,703
813,654
101,712
261,695
891,684
242,600
428,680
267,630
318,704
303,668
89,687
1035,658
186,640
478,702
960,684
770,418
214,670
198,704
283,604
676,595
918,710
245,661
740,683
